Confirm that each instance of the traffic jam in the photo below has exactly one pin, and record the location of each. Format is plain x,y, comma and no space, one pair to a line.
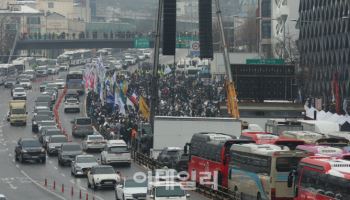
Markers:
288,160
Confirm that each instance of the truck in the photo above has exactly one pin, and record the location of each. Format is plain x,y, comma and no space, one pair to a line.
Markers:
18,112
177,131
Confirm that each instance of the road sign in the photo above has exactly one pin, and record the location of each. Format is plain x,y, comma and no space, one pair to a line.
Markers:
141,43
195,48
265,61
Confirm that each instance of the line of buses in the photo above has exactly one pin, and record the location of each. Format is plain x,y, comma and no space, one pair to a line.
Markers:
289,165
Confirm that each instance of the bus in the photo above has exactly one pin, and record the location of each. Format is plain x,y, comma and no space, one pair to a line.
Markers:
325,150
209,152
321,178
308,136
75,82
7,70
260,171
266,138
277,126
74,58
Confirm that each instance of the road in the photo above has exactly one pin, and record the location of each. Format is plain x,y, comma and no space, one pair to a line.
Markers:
16,180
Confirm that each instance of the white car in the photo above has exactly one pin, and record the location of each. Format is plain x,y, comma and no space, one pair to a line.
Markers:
82,164
63,67
19,93
116,151
25,83
102,176
60,83
72,105
2,197
94,142
130,189
161,190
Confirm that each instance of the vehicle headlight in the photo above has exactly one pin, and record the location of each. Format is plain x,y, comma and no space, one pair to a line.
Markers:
24,151
42,150
35,123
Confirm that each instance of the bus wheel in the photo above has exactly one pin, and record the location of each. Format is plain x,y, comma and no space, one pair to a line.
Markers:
258,197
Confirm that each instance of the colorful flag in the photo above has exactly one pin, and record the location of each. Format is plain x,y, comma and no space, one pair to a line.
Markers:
144,108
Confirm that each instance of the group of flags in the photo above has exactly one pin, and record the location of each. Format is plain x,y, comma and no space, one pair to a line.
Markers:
113,91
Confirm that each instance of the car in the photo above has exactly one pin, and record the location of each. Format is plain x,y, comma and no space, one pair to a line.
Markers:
42,86
36,120
45,98
2,197
130,189
41,106
41,71
82,164
25,83
19,94
68,152
9,82
102,176
15,86
29,149
82,127
159,190
52,70
30,73
52,93
44,137
116,151
169,156
60,83
63,67
47,113
71,94
71,105
42,125
54,144
94,142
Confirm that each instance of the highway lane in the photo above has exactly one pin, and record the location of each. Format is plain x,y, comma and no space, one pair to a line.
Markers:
16,179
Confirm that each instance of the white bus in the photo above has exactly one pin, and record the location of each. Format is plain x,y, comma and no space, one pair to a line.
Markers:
7,70
260,171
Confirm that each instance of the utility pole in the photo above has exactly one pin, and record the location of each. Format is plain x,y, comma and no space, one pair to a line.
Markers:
154,83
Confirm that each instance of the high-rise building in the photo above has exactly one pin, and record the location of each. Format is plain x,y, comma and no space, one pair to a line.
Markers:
324,46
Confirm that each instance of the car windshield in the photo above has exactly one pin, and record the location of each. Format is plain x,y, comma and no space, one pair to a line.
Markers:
31,143
132,184
43,99
53,132
169,191
25,80
19,90
104,170
95,138
71,101
58,139
120,149
83,121
71,147
41,117
18,111
173,153
86,160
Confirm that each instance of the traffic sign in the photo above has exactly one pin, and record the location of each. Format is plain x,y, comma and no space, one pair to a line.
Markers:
265,61
141,43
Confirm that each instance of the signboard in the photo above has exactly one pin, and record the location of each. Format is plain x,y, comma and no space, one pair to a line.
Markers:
265,61
195,48
141,43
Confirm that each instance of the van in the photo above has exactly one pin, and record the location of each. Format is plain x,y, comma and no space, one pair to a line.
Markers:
116,151
166,190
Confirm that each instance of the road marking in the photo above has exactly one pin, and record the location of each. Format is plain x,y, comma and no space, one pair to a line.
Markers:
50,161
63,174
12,186
42,187
81,187
55,168
17,165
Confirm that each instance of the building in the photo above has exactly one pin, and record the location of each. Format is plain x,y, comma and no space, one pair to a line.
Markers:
278,28
324,46
57,23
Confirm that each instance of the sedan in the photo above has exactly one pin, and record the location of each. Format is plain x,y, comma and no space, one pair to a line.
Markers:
131,189
94,142
102,176
54,144
82,164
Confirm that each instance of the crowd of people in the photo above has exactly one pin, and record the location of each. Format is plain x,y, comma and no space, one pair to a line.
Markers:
179,95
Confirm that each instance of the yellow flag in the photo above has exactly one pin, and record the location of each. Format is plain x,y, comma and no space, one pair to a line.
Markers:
232,104
144,108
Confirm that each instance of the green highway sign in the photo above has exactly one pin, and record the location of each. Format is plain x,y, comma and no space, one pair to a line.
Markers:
265,61
141,43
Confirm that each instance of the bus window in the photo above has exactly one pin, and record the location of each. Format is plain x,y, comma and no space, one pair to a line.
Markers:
287,164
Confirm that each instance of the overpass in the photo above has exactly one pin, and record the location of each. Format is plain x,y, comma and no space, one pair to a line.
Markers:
77,44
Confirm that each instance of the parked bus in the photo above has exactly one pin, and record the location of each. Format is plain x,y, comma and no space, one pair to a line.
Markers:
307,136
266,138
321,178
260,171
209,152
75,82
325,151
277,126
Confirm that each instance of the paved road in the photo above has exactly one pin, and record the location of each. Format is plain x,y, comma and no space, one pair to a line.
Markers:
16,180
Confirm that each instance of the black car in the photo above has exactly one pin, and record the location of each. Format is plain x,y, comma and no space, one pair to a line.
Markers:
67,153
170,156
36,120
29,149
